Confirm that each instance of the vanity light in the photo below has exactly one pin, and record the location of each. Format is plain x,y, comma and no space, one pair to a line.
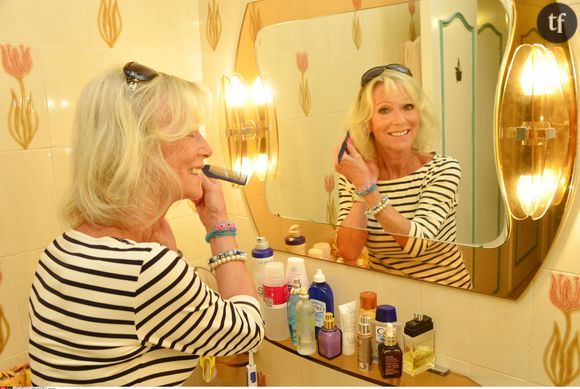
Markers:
537,122
249,133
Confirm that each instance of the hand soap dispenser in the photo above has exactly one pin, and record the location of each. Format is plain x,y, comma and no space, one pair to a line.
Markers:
419,354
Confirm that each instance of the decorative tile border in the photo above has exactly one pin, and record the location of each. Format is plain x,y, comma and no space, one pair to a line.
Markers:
109,21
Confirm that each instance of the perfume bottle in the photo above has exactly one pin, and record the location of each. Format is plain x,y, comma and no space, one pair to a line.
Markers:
305,325
419,342
329,338
364,344
390,354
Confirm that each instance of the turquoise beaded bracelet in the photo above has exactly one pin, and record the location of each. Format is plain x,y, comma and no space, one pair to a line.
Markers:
222,229
366,188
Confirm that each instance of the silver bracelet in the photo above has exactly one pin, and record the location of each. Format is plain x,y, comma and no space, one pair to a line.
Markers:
378,207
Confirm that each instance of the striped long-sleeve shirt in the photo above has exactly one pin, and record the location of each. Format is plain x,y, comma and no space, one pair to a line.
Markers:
428,199
114,312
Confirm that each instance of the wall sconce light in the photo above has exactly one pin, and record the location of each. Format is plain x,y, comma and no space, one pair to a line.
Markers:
249,131
537,118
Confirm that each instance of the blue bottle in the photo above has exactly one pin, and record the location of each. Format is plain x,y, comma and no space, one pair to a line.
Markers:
322,297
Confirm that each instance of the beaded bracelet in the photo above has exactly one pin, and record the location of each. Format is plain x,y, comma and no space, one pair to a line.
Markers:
222,229
225,257
366,188
378,207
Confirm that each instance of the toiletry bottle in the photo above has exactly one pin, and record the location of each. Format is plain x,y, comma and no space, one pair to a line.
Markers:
329,338
322,297
305,324
347,312
367,304
385,314
275,301
295,241
262,253
364,352
293,298
390,354
295,268
419,348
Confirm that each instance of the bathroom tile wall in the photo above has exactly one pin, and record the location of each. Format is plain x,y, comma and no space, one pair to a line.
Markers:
494,341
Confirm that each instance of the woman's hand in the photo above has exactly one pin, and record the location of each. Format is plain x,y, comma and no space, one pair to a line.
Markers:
211,207
355,168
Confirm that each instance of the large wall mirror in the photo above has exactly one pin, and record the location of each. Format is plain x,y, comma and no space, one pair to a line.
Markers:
312,57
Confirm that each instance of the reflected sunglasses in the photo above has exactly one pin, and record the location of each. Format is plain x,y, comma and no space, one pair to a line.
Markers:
135,73
378,70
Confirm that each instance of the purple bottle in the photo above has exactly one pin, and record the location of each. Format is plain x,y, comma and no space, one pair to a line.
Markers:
329,338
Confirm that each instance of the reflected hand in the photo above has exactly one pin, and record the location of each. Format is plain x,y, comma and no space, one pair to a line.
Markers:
356,169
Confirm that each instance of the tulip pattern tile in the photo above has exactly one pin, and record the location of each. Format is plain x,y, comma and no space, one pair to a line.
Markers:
110,21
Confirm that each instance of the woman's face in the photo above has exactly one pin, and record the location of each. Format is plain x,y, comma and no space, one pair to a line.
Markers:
395,119
187,156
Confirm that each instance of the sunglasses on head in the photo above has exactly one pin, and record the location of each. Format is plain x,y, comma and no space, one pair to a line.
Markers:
378,70
135,73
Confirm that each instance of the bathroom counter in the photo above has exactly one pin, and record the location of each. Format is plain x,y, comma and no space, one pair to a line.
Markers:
348,365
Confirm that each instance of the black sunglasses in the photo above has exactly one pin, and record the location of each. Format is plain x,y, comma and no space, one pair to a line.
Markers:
136,73
378,70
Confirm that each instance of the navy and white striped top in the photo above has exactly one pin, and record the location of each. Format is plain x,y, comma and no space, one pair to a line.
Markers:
114,312
428,198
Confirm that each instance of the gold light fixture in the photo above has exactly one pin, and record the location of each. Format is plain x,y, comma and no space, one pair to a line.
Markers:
537,120
248,123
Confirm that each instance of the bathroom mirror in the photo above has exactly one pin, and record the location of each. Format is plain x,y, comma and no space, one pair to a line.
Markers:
501,263
312,104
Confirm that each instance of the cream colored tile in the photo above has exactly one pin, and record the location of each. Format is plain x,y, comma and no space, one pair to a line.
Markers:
546,318
23,268
61,159
10,361
30,201
500,332
488,377
246,233
457,366
63,22
5,248
451,332
10,303
189,234
18,23
67,71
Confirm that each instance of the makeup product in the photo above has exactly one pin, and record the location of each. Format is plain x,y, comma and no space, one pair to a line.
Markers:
275,301
419,350
384,315
390,354
293,297
295,241
329,338
295,269
305,325
343,146
322,297
364,344
262,253
224,174
347,313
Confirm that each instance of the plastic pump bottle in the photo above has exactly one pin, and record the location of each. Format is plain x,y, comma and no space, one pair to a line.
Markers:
305,325
322,297
262,253
295,241
293,298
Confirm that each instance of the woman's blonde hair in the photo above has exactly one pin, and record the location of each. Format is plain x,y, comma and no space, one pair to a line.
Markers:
119,175
362,110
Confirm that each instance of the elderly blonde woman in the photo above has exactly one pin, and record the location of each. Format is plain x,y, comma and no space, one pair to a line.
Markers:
398,195
113,302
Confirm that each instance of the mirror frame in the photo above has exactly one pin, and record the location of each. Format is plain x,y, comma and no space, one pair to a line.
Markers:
516,256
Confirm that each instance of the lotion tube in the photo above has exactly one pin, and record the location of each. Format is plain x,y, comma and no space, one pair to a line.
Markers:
347,322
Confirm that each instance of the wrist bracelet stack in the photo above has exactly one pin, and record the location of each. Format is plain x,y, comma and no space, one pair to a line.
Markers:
367,188
225,257
378,207
222,229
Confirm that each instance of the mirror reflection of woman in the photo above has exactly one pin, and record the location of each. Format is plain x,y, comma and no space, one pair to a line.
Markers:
399,195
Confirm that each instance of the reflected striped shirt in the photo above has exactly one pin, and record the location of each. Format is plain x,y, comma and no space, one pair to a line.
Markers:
428,198
114,312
